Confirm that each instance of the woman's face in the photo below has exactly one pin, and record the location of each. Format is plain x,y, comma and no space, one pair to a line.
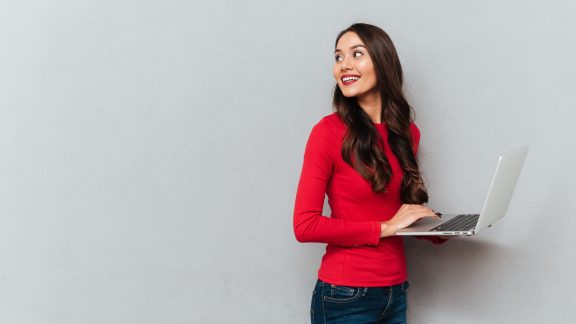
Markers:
353,67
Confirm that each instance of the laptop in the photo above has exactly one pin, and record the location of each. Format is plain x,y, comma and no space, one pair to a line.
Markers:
495,204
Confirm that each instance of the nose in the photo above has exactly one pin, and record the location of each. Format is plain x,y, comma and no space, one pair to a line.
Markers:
345,65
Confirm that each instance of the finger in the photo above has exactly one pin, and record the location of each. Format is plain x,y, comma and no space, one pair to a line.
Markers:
424,214
414,209
432,212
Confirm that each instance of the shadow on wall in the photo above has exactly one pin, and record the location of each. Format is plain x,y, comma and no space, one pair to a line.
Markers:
437,272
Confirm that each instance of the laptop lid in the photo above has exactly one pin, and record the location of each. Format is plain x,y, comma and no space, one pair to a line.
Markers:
502,187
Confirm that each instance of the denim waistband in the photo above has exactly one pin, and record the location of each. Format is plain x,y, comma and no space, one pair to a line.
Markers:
404,285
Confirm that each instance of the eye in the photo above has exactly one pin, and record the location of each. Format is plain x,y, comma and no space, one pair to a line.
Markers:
337,58
358,53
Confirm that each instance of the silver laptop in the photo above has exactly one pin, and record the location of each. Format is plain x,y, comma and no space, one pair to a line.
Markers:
495,204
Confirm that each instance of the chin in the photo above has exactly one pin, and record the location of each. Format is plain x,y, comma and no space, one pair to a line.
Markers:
349,94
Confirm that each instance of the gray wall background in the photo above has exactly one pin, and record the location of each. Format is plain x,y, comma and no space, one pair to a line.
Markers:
150,153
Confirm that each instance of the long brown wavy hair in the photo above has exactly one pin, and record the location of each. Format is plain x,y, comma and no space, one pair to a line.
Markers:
360,146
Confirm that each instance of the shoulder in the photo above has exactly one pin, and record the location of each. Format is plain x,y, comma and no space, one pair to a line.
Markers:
414,131
332,121
415,134
329,126
326,135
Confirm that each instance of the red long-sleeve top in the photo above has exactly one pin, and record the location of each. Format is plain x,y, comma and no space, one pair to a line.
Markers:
355,253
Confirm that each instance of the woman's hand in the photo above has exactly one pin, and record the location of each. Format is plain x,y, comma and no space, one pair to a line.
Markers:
406,215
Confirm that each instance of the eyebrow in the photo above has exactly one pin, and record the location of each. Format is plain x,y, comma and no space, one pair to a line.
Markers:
353,47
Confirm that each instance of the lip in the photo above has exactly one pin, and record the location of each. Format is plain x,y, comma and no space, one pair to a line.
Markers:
347,83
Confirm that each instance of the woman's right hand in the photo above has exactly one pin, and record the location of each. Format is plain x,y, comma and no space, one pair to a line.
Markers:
404,217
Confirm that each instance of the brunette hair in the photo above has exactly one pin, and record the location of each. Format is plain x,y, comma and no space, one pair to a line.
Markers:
360,147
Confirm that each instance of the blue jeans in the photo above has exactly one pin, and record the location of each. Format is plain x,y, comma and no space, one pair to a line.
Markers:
332,304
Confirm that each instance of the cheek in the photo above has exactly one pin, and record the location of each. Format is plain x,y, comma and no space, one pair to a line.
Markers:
366,68
369,75
335,72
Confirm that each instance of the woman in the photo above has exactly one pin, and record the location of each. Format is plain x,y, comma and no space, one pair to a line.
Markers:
363,157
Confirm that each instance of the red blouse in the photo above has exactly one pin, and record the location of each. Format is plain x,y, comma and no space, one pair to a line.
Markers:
355,253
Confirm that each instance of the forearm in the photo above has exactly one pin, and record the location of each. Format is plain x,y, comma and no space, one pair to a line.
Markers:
313,227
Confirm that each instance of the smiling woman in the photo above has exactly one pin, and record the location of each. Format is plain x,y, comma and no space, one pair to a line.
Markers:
363,157
354,70
379,77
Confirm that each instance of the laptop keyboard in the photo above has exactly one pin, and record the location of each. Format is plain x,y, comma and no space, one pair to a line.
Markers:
464,222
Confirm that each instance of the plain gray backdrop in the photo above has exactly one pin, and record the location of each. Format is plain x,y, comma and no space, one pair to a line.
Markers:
150,152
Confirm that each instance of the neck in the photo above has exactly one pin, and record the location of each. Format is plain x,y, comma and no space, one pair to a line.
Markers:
371,103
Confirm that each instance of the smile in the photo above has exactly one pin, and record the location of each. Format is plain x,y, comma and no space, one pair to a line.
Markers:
349,79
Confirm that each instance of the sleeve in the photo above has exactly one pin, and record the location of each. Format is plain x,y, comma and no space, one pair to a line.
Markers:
415,143
309,223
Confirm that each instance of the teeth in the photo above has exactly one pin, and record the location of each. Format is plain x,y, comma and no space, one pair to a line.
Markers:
350,78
